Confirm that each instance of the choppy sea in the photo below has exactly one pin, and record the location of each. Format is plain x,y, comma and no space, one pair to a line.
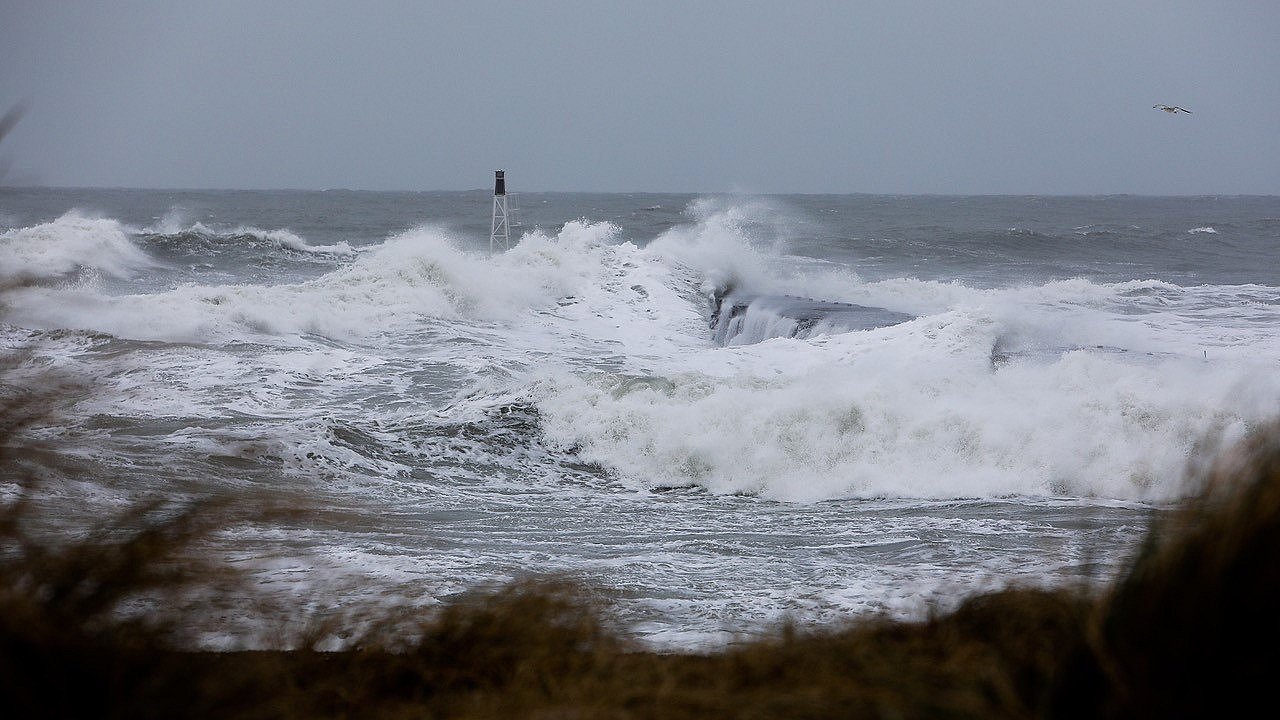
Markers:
725,410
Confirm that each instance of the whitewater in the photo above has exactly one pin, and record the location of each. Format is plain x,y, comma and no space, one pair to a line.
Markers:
722,411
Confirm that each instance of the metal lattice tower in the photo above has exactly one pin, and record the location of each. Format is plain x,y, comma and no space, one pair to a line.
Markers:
501,225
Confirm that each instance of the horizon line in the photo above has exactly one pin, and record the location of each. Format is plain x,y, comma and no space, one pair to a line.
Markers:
641,192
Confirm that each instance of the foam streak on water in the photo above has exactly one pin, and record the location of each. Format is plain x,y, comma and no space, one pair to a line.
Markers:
748,408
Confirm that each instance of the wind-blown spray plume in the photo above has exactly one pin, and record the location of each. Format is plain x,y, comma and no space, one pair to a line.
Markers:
11,119
7,123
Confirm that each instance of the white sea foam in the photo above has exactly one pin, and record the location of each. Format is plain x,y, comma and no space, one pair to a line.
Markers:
1205,229
1066,388
729,243
171,223
73,243
469,417
419,273
914,410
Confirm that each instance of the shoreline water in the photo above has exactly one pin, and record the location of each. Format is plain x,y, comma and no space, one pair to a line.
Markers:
565,407
96,624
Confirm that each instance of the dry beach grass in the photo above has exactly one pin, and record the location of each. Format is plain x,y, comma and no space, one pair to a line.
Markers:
93,627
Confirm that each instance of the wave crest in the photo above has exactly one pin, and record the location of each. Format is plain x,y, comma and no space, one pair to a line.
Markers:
73,244
418,273
202,238
913,410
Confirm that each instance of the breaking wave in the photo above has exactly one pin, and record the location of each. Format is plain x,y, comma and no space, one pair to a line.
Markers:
201,238
708,357
75,244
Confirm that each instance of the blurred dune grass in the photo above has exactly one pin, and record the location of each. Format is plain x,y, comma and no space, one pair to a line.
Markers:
93,624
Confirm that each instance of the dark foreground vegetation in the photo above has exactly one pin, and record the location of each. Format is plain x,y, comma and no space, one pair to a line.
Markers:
93,628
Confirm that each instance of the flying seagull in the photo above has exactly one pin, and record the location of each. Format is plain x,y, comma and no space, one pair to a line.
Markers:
1171,109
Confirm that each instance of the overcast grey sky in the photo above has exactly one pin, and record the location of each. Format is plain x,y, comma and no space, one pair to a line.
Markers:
794,96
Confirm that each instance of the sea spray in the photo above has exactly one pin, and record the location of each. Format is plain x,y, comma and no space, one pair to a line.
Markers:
565,407
75,243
